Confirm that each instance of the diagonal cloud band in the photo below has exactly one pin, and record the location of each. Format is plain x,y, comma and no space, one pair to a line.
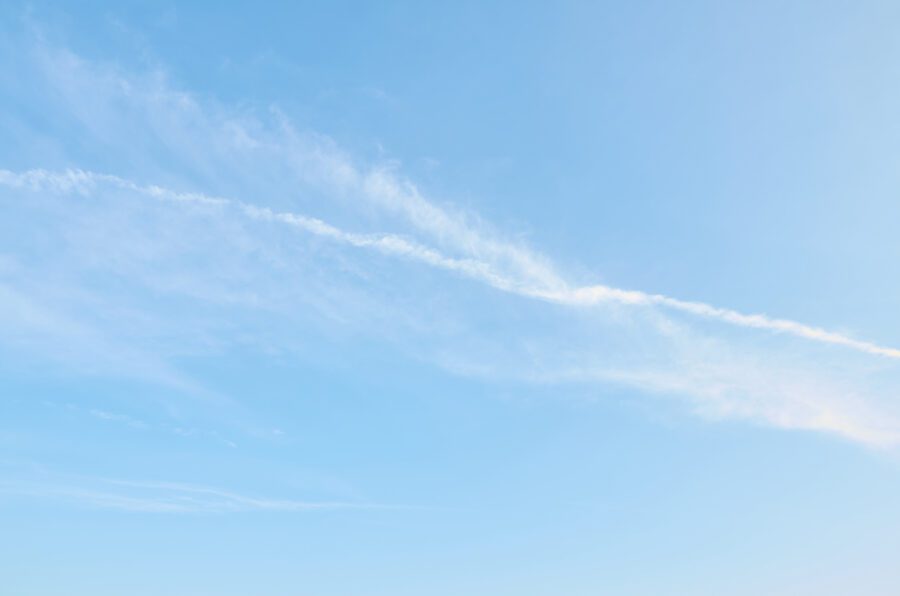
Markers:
550,288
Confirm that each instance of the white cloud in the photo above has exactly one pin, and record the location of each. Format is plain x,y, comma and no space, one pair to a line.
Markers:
537,277
751,366
165,497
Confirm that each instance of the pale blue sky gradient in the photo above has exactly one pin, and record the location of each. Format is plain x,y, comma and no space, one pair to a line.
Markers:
344,298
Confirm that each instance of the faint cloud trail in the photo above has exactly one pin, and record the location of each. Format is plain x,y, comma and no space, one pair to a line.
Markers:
596,294
170,497
545,285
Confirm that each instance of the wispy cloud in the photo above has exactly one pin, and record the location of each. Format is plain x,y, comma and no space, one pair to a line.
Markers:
165,497
724,363
723,388
435,220
121,418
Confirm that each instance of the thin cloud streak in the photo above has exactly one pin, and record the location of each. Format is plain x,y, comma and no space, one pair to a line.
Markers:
436,220
784,384
596,294
169,497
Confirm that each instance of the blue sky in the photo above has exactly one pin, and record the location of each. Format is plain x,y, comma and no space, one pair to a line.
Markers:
398,298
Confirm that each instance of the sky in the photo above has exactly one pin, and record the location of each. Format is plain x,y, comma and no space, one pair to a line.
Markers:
403,298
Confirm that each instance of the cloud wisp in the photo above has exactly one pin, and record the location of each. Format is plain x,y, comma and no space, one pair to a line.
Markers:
202,249
168,497
80,181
